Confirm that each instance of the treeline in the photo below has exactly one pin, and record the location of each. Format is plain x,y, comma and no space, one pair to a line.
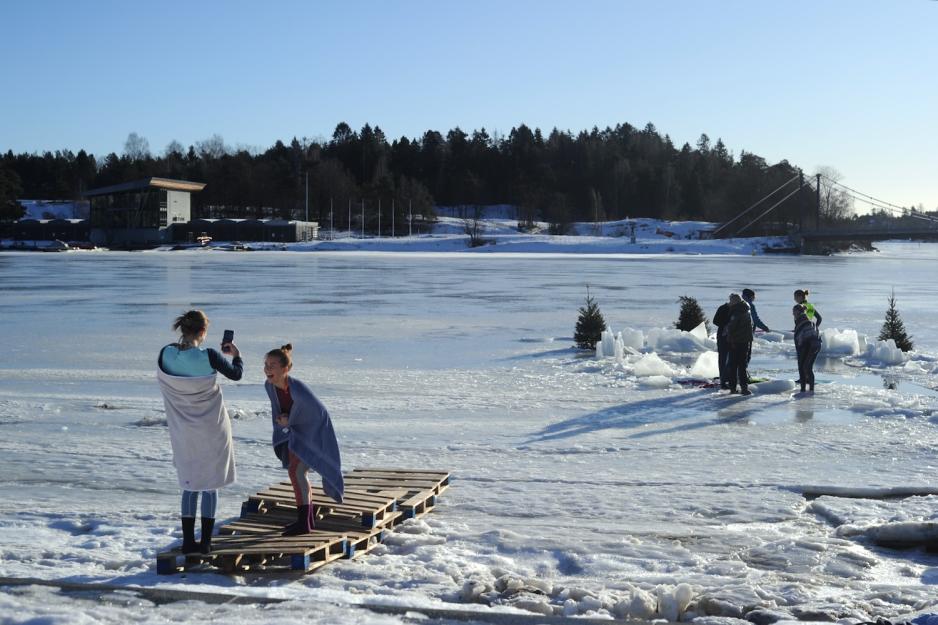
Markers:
560,178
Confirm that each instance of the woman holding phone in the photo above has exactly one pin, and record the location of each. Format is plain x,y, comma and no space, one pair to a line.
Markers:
199,426
303,437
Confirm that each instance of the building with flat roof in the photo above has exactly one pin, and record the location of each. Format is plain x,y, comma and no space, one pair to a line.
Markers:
139,213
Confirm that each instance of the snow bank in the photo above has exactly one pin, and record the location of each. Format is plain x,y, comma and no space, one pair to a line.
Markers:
773,386
837,343
633,338
652,365
849,342
885,353
678,341
617,345
706,366
650,602
656,381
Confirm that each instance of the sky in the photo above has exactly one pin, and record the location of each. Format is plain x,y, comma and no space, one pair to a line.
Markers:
847,84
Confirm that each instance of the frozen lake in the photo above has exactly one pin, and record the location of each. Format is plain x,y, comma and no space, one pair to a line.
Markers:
570,475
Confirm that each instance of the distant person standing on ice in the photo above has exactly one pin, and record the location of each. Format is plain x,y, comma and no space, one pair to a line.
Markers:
749,296
812,314
801,297
303,438
807,346
199,427
721,319
739,335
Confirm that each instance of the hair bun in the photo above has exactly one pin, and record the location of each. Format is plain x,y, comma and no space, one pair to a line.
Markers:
287,348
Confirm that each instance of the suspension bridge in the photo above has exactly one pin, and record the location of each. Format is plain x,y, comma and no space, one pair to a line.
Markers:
811,236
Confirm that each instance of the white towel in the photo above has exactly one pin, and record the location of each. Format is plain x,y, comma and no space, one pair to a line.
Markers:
199,431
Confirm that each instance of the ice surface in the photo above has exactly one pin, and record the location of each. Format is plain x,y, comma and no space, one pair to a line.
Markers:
573,480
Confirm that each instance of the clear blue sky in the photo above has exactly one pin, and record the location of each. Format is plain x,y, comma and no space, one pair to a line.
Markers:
851,84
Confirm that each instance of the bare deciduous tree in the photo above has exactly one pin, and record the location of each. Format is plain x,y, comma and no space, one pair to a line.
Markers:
836,203
136,147
473,224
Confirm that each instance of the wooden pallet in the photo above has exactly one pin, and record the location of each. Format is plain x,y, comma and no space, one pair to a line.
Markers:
372,509
359,540
375,501
415,491
237,552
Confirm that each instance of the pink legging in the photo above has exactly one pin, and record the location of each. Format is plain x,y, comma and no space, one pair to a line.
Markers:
299,478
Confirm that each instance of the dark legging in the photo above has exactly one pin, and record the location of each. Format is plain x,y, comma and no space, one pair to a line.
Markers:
807,354
723,352
737,370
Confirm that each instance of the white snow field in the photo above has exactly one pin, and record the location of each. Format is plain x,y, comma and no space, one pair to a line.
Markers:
582,485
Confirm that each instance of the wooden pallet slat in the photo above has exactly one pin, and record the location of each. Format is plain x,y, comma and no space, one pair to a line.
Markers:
375,501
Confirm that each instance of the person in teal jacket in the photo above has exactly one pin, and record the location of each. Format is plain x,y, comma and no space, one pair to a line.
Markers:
187,358
749,296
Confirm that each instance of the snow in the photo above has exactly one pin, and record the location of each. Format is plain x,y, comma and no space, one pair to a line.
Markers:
773,386
706,366
835,342
672,340
579,486
652,365
885,353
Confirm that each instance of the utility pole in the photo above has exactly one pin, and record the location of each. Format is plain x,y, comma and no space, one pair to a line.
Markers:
307,197
392,218
350,218
363,218
801,203
817,206
410,218
331,222
379,218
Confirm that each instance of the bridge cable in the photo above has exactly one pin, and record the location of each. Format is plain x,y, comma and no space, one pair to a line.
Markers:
774,191
768,210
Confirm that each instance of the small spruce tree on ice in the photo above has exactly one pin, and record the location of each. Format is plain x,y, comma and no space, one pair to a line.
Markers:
893,328
691,315
590,325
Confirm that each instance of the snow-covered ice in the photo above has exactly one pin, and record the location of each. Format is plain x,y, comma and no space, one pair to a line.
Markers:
579,487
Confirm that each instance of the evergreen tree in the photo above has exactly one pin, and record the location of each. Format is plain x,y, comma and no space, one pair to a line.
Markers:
10,190
691,315
590,325
893,328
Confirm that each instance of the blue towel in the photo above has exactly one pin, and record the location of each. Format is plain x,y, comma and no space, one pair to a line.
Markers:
310,436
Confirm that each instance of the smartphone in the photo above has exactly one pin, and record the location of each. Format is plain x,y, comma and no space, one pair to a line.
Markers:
226,338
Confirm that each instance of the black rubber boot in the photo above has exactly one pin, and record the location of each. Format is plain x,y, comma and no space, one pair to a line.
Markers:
188,535
302,524
208,526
